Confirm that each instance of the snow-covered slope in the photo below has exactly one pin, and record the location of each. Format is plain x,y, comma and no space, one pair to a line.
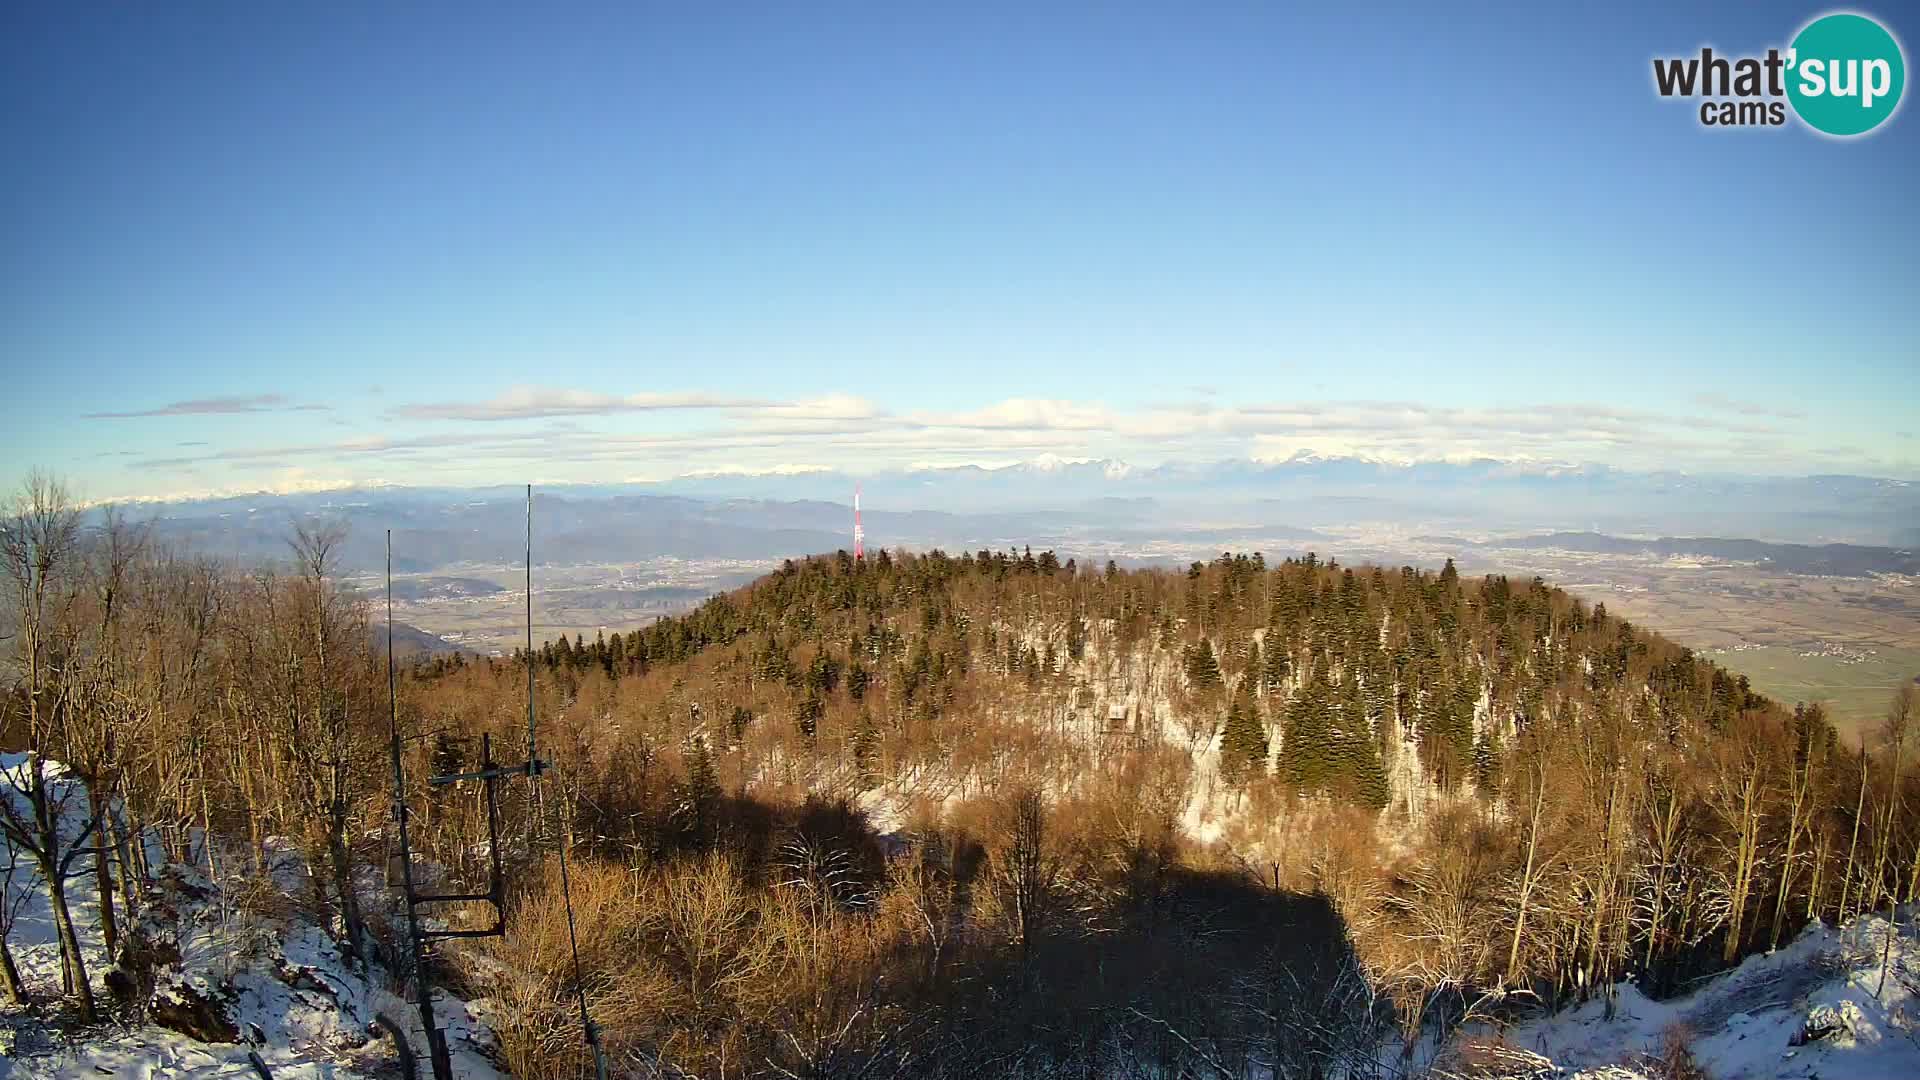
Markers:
1815,1008
239,963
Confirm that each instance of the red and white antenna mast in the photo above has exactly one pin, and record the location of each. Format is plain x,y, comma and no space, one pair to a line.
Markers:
859,533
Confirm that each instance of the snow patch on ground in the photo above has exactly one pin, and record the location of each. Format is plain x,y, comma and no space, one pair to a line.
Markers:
1815,1008
259,969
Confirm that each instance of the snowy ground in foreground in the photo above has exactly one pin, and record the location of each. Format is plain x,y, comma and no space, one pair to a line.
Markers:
1743,1024
277,978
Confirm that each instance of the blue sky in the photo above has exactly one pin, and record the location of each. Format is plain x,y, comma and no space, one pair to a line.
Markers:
257,246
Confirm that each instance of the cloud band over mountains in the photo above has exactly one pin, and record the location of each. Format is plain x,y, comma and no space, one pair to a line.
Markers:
563,434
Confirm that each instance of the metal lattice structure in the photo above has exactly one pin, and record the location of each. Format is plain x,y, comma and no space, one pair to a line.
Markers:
489,776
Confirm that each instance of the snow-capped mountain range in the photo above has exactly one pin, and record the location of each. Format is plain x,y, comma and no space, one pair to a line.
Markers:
734,513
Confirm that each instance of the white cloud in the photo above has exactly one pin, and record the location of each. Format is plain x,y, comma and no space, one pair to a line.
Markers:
533,402
832,407
214,406
746,470
634,438
1028,413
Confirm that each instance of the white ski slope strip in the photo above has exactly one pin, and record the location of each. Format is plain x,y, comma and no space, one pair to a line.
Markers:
1744,1024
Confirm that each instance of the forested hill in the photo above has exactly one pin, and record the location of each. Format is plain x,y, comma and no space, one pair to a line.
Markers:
1319,678
1574,797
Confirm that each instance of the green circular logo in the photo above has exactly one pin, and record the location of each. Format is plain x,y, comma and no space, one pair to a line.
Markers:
1844,74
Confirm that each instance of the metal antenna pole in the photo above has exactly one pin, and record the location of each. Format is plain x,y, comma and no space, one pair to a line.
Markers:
588,1028
533,757
436,1046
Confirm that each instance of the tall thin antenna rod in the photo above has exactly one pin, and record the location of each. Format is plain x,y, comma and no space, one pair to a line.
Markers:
393,706
588,1029
532,754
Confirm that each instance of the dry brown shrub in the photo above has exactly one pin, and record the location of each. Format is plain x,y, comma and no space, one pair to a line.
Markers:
1339,857
708,911
261,897
529,973
1130,804
824,1004
1490,1057
1675,1061
921,905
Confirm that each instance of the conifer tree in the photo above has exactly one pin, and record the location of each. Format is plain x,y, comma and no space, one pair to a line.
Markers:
1370,788
1278,663
808,716
1486,763
1305,747
703,787
739,722
1243,746
1203,668
866,742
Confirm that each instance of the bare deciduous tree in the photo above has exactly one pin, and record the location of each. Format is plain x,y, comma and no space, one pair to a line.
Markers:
44,577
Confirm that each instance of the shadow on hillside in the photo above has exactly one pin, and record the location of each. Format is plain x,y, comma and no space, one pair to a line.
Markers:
1135,963
1261,977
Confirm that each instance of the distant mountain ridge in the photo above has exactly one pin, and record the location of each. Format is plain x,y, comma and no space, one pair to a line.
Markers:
1084,479
1112,476
730,516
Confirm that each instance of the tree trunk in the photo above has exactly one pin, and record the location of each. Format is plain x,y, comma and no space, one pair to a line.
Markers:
256,844
1819,878
99,806
73,963
1603,893
1786,865
349,898
1666,825
10,976
1884,849
1744,864
143,871
1853,846
130,894
1526,883
206,815
1913,876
